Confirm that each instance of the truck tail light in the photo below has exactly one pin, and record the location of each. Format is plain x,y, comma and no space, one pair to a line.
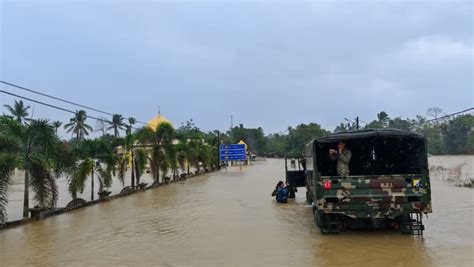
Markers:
327,185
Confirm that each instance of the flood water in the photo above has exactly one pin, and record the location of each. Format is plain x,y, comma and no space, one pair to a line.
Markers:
229,219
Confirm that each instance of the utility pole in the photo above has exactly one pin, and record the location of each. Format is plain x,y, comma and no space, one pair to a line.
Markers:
133,171
92,180
219,148
231,127
357,122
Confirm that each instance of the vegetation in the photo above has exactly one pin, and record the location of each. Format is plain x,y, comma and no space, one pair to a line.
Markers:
57,125
33,146
19,111
77,125
116,124
454,135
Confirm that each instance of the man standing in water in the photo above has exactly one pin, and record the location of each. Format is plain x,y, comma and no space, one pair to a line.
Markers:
343,157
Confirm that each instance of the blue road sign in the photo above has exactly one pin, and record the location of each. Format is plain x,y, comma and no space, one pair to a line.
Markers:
232,152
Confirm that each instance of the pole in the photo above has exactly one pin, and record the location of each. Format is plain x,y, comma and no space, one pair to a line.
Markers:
357,122
92,181
231,128
133,171
219,148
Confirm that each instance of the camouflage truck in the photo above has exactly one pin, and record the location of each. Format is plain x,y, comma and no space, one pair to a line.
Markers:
388,186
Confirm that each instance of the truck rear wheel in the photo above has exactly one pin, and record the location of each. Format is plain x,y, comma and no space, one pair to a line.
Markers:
291,192
309,197
327,223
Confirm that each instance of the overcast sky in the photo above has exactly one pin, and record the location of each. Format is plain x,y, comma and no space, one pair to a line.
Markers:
270,64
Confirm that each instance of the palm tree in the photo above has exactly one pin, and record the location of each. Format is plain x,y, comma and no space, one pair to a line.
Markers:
77,181
131,122
116,124
193,154
36,145
140,160
126,159
90,150
161,141
165,134
78,126
171,154
56,125
19,111
86,161
383,119
7,168
181,157
8,162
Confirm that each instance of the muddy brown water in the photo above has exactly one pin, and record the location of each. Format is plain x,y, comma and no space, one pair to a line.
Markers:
229,219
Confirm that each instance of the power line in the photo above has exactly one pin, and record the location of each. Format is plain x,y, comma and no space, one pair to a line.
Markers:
450,115
56,107
63,100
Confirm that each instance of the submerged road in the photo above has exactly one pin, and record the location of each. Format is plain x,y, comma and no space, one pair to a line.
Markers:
229,219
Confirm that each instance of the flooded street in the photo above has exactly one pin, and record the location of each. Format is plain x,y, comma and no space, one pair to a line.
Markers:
229,219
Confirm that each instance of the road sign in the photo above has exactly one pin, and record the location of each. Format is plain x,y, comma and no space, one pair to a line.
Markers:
232,152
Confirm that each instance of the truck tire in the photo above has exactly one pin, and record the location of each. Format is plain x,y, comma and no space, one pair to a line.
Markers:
319,219
291,192
309,198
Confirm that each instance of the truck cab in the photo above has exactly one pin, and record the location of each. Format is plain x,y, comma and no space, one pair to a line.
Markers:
388,184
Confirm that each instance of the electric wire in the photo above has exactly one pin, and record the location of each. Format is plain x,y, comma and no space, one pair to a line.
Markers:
56,107
63,100
450,115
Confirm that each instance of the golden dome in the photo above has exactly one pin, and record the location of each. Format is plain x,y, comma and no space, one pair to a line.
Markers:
157,120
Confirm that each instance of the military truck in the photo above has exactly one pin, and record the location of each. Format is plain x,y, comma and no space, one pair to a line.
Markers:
388,186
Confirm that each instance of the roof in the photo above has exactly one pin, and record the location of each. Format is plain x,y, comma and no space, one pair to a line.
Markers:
357,134
157,120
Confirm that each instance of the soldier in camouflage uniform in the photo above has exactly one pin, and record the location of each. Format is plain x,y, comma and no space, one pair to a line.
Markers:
343,157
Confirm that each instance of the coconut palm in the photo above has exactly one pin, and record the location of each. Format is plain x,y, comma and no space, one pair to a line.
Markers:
131,121
35,147
8,161
88,153
181,156
125,160
19,111
171,153
165,135
77,125
91,159
116,124
6,172
77,181
140,160
184,147
56,125
194,154
161,142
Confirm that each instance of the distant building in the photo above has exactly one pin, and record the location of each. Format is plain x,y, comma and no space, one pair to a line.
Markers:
157,120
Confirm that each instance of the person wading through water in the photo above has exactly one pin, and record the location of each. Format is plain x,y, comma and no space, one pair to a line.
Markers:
280,192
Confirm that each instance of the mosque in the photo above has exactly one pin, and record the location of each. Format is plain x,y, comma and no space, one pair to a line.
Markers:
157,120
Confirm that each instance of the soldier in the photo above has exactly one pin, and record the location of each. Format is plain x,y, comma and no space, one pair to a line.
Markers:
343,156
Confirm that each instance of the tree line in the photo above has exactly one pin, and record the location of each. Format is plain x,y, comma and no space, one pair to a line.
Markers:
452,135
33,145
